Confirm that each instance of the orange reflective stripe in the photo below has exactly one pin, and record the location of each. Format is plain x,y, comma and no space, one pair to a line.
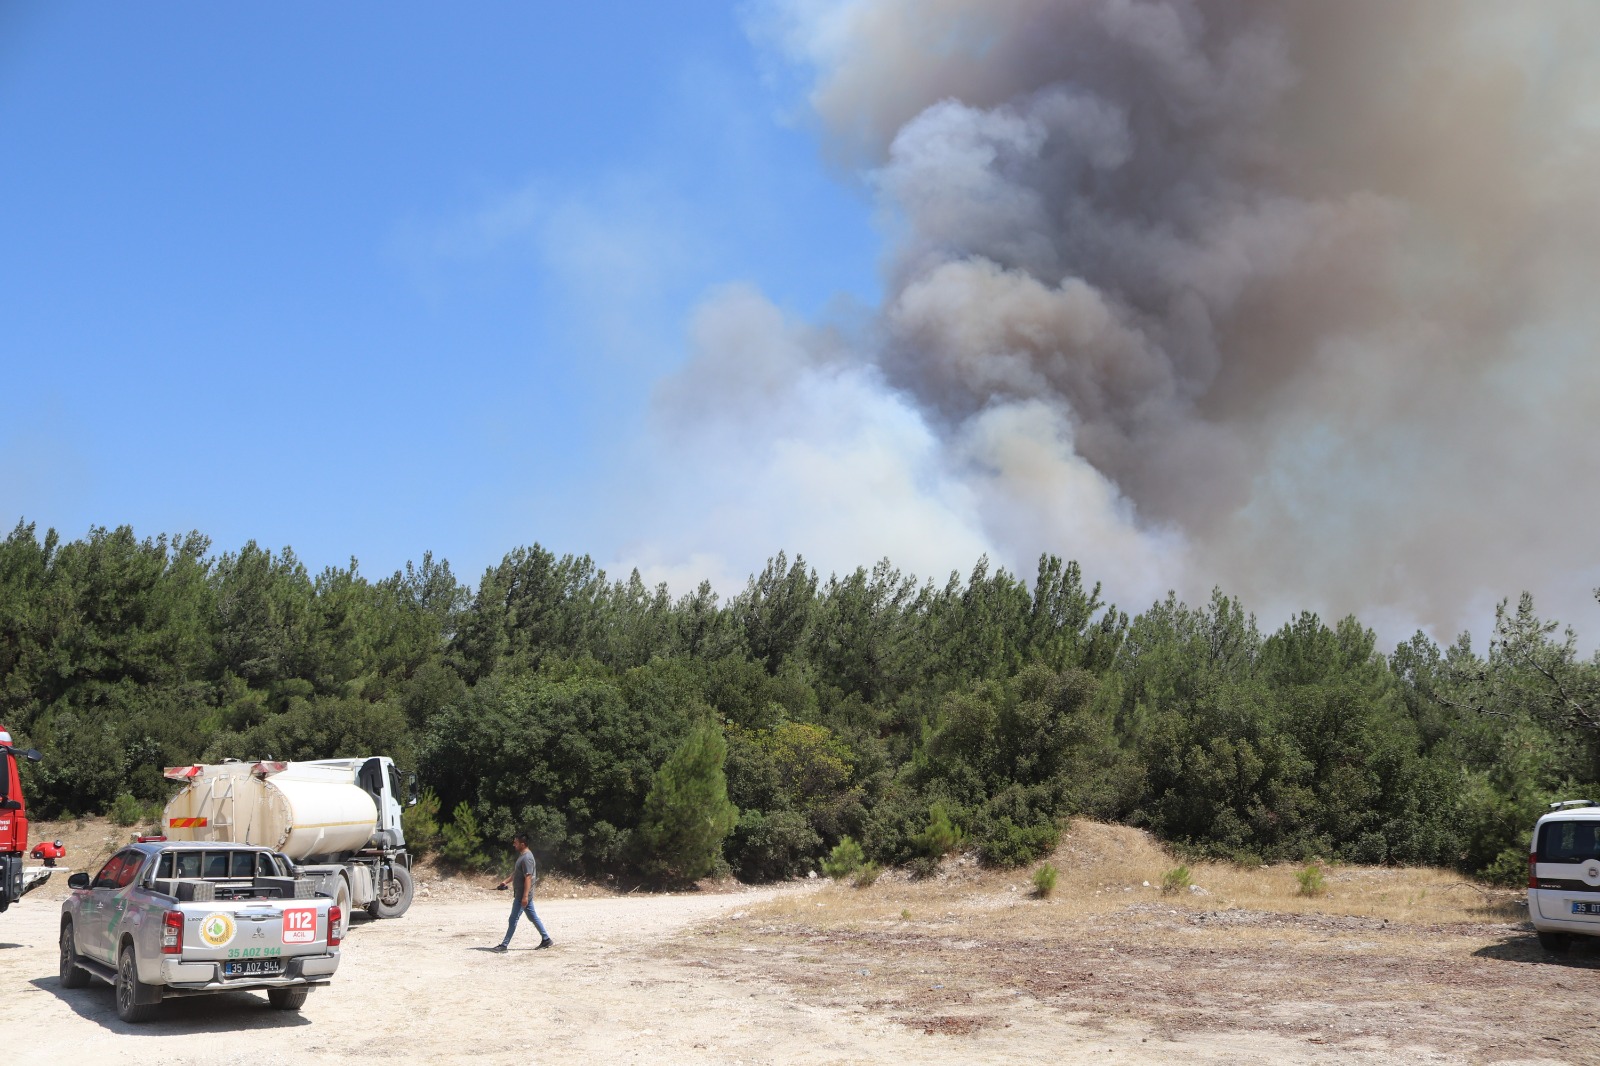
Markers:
186,823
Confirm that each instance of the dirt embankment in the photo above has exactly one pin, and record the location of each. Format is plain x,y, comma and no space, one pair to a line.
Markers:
1387,966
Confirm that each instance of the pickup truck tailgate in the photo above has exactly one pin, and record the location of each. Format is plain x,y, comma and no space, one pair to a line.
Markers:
254,940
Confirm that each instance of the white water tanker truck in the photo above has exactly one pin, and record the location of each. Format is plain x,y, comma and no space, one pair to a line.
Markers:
336,820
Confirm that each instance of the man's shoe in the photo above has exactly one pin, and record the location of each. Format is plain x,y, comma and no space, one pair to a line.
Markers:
545,943
499,949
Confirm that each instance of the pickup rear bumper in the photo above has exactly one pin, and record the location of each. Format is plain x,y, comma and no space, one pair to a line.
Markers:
193,978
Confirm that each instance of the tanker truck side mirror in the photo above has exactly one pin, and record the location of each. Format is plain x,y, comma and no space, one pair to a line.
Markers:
411,789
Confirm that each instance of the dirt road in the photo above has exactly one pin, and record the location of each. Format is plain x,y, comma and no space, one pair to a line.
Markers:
624,984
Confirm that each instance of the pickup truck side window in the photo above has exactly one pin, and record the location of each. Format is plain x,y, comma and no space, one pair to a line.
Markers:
130,868
164,866
107,877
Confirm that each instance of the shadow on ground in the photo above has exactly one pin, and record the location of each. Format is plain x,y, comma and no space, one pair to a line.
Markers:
223,1012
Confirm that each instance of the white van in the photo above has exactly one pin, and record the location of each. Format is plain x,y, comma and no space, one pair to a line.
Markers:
1564,874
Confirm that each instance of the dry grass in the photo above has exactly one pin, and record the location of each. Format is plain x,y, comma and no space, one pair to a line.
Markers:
1105,868
1384,958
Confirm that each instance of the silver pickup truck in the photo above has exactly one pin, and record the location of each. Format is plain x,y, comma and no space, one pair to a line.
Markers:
178,919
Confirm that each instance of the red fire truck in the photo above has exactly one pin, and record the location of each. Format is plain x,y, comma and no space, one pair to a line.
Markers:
15,879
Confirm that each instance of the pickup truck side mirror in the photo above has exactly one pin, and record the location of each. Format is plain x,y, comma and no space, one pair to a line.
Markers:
78,880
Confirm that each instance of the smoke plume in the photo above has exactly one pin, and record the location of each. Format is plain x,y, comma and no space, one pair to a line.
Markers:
1294,298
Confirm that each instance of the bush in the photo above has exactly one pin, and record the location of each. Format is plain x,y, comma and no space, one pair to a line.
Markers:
462,839
1311,882
1175,880
1011,844
765,847
687,815
940,837
420,822
844,859
867,874
1044,881
125,810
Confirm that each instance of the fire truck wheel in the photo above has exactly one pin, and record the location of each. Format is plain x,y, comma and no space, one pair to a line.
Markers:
288,998
72,975
130,990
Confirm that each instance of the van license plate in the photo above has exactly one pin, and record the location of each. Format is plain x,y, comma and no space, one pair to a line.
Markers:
1586,908
253,968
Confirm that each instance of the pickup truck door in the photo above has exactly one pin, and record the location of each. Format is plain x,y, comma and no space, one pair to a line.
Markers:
103,905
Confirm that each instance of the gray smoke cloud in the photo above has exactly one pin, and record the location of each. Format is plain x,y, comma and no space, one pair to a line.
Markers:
1294,298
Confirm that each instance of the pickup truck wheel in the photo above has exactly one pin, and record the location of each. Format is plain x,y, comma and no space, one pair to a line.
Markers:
395,897
288,998
130,990
72,975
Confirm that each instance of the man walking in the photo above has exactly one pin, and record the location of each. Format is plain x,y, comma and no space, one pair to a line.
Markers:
523,875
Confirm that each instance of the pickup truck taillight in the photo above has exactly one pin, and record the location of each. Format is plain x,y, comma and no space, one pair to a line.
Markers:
172,933
335,916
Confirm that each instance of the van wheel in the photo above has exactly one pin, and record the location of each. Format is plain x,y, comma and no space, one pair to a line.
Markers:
395,896
130,990
288,998
1555,943
72,975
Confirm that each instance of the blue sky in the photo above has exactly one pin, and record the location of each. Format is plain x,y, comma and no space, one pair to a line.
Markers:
373,279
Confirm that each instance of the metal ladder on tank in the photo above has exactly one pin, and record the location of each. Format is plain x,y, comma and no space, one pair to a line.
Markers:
221,818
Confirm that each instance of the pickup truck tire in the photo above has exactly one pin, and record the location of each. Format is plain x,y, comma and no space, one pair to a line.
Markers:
72,975
288,998
394,898
130,990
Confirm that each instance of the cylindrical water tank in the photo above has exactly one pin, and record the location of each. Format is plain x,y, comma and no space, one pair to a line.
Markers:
315,812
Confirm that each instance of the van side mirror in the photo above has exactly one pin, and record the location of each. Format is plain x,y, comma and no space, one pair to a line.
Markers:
78,880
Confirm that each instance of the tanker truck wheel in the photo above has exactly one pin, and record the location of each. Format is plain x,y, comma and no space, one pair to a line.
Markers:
395,897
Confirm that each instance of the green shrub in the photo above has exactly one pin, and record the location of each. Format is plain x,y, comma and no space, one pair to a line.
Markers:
1044,881
686,814
462,839
420,823
1175,880
939,837
1311,882
1011,844
844,859
125,810
767,847
867,874
923,867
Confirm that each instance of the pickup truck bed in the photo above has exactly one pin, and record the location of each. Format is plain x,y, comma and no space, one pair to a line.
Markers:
154,924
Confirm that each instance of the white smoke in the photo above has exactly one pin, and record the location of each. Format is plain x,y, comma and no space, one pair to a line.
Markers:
1292,298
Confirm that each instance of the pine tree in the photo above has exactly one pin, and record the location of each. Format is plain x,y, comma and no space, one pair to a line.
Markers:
687,814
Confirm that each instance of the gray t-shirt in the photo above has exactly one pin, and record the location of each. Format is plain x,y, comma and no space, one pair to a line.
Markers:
525,868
